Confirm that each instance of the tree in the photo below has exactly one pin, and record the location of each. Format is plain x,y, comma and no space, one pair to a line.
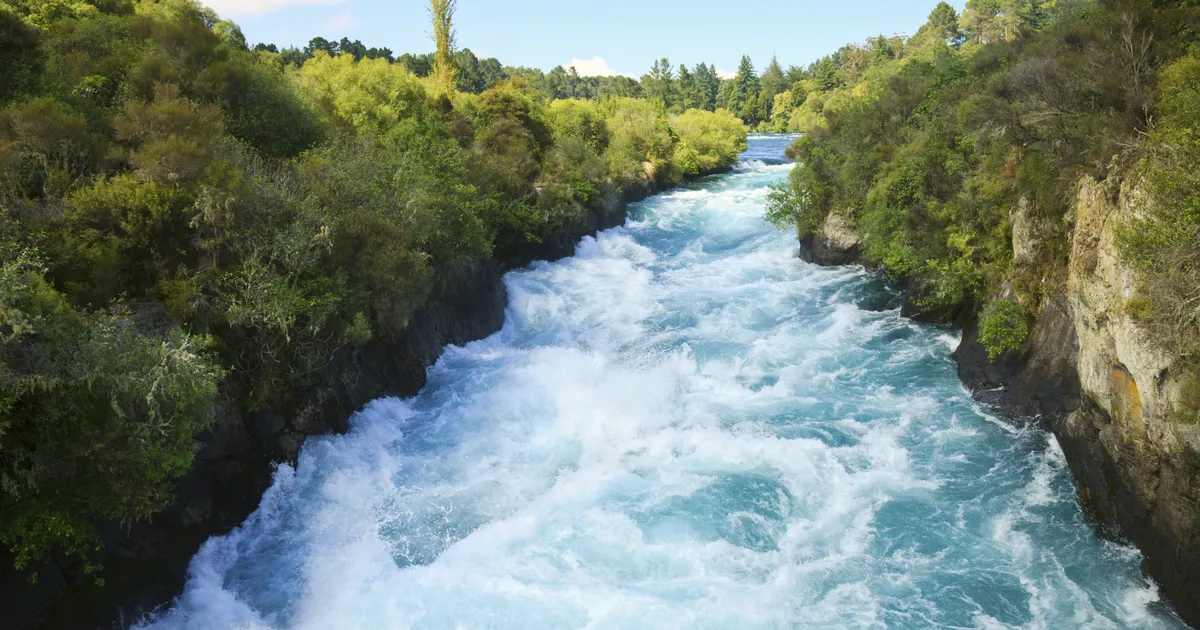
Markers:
468,78
618,87
688,97
531,78
781,110
943,22
659,82
320,43
708,84
825,74
490,73
380,53
773,82
881,50
744,88
230,34
441,12
707,141
563,83
419,65
18,48
293,56
354,48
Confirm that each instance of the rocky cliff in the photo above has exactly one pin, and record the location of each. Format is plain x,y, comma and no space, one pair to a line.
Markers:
145,566
1107,390
1135,466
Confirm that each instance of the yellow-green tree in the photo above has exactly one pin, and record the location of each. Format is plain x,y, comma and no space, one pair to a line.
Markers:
441,12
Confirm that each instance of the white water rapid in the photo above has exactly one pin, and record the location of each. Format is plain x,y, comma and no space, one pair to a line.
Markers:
683,426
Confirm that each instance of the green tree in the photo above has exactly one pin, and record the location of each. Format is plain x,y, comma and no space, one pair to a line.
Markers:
320,44
744,89
773,82
825,74
659,83
942,26
688,93
99,412
444,71
882,50
707,86
707,141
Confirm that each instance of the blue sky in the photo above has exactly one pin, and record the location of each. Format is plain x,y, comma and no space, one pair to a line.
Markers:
628,35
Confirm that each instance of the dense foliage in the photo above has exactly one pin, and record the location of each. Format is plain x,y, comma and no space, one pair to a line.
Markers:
933,146
1003,326
1164,242
185,220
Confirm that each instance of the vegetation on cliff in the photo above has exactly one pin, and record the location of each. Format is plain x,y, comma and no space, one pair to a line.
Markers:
185,220
1164,242
937,145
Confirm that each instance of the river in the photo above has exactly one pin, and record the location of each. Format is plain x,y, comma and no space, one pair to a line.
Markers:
682,426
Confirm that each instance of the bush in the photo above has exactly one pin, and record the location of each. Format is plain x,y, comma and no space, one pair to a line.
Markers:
716,138
367,95
1163,244
100,413
641,142
1004,326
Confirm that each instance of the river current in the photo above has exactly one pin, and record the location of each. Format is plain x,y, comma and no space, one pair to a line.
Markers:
682,426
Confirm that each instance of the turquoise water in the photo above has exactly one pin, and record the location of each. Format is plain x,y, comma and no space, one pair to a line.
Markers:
683,426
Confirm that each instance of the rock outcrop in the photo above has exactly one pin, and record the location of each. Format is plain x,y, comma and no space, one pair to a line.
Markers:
834,242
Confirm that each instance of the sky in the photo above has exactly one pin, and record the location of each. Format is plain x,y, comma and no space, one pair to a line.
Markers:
596,36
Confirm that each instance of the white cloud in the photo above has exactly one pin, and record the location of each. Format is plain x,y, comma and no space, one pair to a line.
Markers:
343,21
235,8
725,74
594,67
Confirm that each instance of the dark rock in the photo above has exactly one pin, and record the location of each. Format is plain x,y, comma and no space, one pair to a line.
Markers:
916,294
1040,378
1147,499
267,424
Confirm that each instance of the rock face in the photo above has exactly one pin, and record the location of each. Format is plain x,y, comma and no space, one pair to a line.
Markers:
145,566
1104,387
1107,390
835,242
1135,466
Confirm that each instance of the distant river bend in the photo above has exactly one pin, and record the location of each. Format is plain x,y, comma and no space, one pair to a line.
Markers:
683,426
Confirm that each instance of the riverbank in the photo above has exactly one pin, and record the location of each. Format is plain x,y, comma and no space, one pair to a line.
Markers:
145,565
1094,378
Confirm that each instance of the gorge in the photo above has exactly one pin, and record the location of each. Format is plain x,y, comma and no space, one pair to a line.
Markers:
321,336
683,425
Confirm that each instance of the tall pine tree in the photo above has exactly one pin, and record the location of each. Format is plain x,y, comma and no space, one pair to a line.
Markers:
744,89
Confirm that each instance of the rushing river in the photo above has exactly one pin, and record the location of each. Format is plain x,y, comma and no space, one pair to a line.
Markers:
683,426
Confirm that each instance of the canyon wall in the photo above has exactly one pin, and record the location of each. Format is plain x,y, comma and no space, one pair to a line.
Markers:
1103,385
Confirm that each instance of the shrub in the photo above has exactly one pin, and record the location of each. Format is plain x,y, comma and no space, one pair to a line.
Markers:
717,138
100,412
639,135
1163,244
1003,326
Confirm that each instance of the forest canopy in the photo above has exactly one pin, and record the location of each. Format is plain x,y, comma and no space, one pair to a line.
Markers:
187,222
